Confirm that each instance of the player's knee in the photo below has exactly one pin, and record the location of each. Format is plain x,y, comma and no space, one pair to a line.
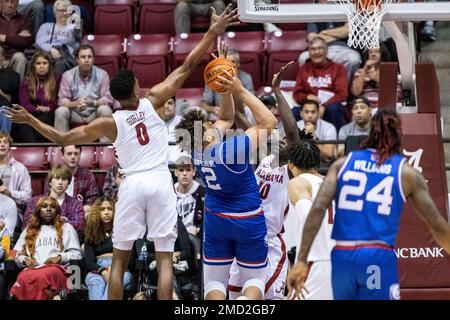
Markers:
258,283
215,286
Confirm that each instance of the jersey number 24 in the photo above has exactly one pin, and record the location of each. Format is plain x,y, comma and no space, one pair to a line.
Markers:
381,193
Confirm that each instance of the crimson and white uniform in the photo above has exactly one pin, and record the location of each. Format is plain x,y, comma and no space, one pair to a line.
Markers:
146,198
318,282
273,188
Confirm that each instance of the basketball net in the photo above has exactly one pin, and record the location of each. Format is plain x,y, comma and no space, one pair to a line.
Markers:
364,21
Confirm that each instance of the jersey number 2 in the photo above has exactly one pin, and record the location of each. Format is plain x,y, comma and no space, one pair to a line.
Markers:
381,193
211,179
141,134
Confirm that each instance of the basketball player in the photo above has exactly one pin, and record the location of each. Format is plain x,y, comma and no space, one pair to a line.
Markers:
304,162
370,187
146,197
234,222
273,188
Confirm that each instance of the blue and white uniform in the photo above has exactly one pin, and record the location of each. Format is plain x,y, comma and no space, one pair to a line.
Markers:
369,202
235,225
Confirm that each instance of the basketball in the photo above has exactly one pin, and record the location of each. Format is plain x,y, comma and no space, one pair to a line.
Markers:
216,68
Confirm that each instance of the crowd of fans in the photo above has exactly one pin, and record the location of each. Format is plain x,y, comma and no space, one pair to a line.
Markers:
44,68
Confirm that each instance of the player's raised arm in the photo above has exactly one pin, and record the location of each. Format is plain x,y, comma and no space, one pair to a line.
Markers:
287,117
161,92
100,127
417,189
264,118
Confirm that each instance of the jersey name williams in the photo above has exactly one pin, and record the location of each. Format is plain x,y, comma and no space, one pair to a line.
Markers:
135,117
372,167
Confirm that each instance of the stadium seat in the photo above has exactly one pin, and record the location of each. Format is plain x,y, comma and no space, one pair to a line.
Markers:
106,157
283,47
148,57
114,17
37,184
190,97
109,51
251,48
292,26
89,159
183,45
34,158
157,16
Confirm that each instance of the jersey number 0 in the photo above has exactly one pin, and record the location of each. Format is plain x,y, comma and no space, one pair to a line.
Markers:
141,134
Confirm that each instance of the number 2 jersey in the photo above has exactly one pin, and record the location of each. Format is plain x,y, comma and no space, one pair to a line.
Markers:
142,139
273,188
369,198
228,176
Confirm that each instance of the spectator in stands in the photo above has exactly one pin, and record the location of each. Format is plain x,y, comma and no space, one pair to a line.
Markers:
323,81
112,182
39,93
83,93
366,80
8,213
71,208
61,38
186,9
99,249
15,35
335,35
9,86
83,185
34,9
211,99
14,176
360,125
320,129
5,240
49,243
190,207
172,119
190,197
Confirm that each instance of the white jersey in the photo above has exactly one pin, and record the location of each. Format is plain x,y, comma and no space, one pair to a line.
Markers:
322,244
142,139
273,188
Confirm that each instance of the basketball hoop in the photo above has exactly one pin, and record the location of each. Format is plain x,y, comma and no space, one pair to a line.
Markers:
364,21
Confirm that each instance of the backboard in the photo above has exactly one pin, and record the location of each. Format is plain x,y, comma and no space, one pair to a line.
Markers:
278,11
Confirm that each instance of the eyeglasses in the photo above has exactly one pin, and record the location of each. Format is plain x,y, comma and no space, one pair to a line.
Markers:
373,66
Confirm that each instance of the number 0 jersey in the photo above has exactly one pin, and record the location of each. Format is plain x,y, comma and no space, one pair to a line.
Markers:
142,139
273,188
228,176
369,198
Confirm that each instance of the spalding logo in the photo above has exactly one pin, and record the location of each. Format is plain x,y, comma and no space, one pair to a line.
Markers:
213,72
394,292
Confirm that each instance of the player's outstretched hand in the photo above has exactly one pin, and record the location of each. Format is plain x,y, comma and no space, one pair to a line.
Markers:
17,114
226,19
296,280
277,77
230,83
222,49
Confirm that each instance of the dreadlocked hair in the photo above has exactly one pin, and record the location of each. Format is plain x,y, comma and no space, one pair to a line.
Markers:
306,153
34,227
385,134
95,230
121,85
188,123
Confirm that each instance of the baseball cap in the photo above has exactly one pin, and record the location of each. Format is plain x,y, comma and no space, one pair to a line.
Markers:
267,99
359,99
